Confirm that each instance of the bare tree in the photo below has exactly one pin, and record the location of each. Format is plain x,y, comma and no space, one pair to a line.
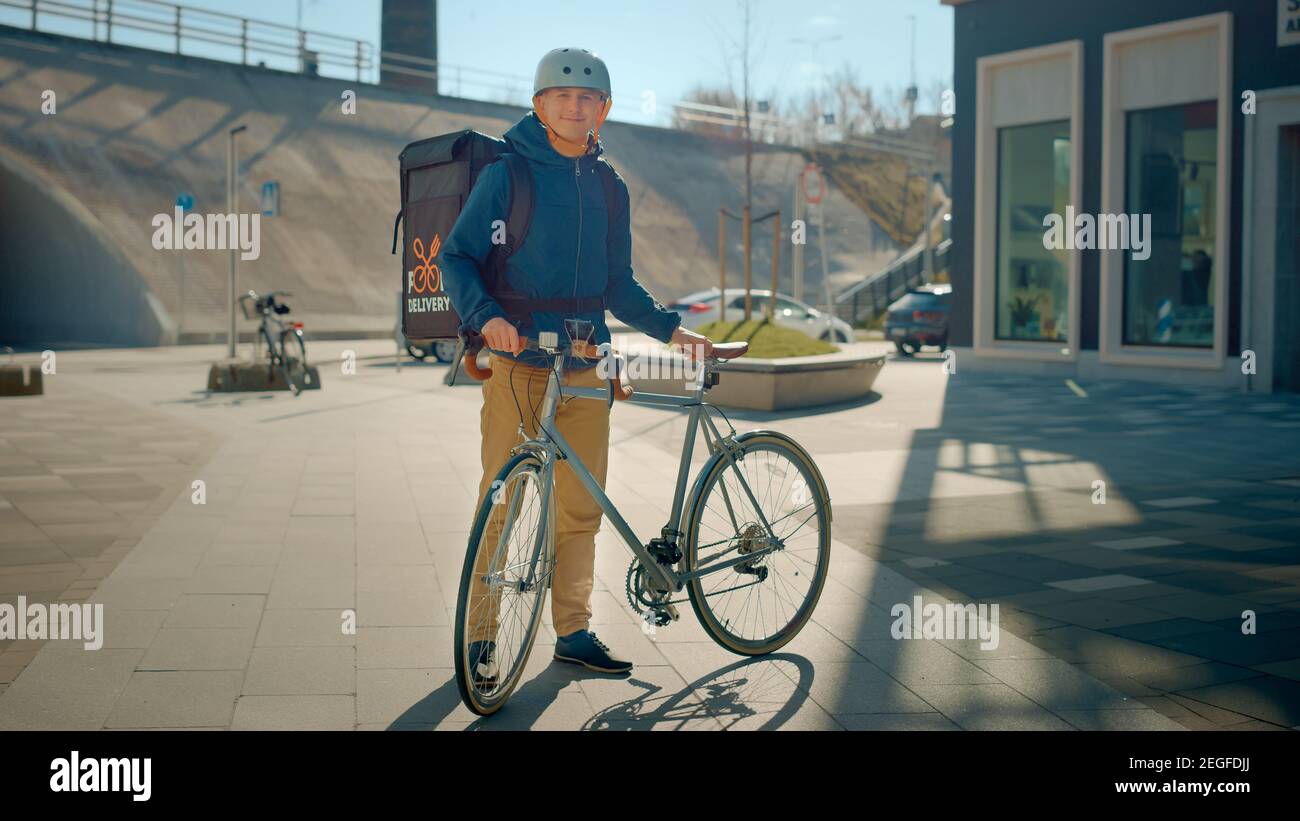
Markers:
933,94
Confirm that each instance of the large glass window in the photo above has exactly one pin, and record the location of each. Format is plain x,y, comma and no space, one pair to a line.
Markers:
1286,294
1170,174
1033,289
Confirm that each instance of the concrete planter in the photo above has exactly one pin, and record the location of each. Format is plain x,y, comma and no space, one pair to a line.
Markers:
21,380
779,384
238,375
758,384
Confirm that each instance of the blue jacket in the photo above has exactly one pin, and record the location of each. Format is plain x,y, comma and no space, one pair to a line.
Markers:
567,251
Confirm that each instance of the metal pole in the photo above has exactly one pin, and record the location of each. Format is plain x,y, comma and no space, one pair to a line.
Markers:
796,253
178,29
776,262
33,15
397,334
243,41
928,262
722,265
232,207
826,268
108,35
748,281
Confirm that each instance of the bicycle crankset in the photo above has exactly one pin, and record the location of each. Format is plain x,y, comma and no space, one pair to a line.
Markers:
645,599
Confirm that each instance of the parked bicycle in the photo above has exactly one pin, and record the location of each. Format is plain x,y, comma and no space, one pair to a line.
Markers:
751,546
281,340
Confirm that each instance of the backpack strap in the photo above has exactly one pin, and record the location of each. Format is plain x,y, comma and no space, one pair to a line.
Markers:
517,222
608,181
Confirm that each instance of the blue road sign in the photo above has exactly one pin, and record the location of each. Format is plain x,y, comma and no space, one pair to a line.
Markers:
270,198
185,201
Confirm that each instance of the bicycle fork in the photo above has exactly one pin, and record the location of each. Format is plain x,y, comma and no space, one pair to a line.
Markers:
528,581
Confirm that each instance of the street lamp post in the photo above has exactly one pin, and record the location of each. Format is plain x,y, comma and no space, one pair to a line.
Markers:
232,208
813,43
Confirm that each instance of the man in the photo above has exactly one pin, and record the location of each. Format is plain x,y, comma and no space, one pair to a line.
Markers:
567,253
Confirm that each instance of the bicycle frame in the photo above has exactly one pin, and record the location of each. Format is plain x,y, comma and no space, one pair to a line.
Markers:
268,322
553,444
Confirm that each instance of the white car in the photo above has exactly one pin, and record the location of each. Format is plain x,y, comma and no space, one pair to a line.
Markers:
701,308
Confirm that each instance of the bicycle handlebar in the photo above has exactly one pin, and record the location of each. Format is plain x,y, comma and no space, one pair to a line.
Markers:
474,343
580,348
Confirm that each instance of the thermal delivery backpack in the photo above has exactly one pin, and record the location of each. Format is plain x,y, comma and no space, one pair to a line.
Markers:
437,175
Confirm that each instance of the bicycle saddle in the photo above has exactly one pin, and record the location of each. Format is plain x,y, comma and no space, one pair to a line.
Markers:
729,350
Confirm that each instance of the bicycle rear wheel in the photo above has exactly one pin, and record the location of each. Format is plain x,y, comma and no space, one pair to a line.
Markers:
293,360
758,606
503,584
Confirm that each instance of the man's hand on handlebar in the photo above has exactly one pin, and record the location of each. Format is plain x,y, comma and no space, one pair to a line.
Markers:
500,335
696,346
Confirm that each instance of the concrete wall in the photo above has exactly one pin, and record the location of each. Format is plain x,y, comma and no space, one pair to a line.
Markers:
134,128
63,280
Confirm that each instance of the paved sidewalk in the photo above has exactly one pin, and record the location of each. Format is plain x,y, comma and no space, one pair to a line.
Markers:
974,488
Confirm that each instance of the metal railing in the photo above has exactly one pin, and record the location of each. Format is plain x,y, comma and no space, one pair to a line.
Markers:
165,26
171,24
872,295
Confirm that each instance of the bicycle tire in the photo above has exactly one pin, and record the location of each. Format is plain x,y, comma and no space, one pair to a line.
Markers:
720,626
542,538
293,360
272,352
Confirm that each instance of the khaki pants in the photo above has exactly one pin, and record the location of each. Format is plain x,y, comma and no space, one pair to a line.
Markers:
584,423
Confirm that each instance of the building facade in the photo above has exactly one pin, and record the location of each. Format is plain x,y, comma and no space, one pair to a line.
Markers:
1125,187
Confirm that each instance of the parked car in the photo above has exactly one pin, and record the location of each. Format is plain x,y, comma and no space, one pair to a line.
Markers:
701,308
920,317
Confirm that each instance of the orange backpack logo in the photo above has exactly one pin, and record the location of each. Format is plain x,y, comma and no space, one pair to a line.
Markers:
425,277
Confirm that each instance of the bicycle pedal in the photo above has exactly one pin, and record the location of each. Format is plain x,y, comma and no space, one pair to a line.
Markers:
671,610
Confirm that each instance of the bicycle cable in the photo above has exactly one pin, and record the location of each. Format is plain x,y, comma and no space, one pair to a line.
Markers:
724,416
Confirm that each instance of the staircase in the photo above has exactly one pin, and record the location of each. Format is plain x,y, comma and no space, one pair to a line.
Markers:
866,299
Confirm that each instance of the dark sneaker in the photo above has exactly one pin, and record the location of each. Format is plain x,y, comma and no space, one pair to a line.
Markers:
483,664
582,647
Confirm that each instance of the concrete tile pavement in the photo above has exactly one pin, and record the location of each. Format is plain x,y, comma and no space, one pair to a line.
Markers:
234,613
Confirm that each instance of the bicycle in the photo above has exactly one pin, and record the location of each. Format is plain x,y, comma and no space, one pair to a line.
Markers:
722,527
289,357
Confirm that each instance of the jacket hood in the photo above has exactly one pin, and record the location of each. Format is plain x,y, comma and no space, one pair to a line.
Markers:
528,138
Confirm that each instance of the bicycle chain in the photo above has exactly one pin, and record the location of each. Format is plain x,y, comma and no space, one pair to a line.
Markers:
635,567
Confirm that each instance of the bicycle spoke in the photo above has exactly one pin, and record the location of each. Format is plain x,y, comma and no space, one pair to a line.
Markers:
497,608
732,517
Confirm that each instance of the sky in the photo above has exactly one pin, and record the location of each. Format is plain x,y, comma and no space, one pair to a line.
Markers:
663,46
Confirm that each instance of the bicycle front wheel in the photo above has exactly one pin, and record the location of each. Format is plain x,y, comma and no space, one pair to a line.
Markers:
503,584
759,605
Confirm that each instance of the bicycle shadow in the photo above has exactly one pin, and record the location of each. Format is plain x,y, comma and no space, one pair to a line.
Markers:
752,694
762,693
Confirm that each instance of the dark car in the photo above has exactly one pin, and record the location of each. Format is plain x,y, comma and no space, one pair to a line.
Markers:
919,318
